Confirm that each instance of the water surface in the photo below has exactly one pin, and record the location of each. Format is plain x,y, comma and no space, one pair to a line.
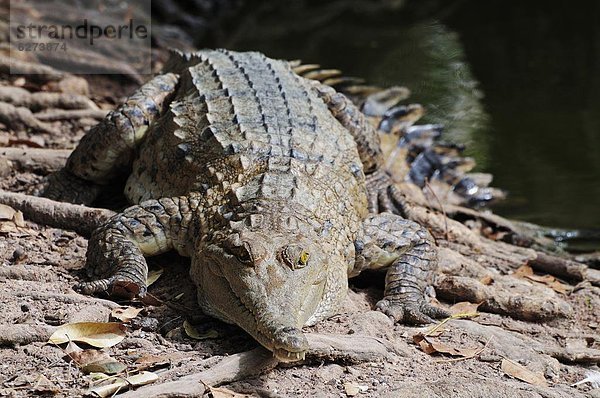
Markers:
518,82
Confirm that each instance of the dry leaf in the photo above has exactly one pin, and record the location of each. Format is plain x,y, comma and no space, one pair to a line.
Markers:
221,392
97,334
109,366
526,272
522,373
125,314
96,361
9,214
192,332
431,346
153,276
139,379
464,307
147,362
72,348
43,386
6,212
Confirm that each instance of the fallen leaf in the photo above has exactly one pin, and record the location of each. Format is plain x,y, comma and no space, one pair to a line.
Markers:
109,366
125,314
147,362
139,379
9,214
464,307
431,346
6,212
95,376
97,334
94,361
153,276
221,392
43,386
520,372
192,332
351,389
72,348
526,272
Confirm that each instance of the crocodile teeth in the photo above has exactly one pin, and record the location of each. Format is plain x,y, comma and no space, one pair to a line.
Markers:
288,356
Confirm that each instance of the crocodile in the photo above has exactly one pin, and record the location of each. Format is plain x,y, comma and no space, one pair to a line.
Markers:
270,182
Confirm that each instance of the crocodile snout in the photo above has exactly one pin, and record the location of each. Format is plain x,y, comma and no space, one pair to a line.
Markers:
289,344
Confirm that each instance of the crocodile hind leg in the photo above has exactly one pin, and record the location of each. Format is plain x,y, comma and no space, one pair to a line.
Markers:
115,256
108,148
368,145
408,252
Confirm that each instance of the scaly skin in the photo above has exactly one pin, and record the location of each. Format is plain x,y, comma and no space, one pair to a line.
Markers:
258,175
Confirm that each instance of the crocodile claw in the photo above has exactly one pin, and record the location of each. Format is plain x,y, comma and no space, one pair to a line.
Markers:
411,313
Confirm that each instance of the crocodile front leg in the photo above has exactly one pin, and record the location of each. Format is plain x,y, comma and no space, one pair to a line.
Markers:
108,148
408,251
115,256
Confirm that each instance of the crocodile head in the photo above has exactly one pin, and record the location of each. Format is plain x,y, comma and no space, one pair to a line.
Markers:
270,284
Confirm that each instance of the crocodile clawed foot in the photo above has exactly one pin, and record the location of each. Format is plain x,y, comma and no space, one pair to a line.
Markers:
384,195
410,313
114,286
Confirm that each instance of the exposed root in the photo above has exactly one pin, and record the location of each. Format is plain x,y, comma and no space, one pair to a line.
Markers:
80,219
235,367
527,307
12,335
60,114
569,355
18,96
18,117
42,161
34,71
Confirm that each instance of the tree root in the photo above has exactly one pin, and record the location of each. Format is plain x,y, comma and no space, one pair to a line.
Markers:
80,219
67,298
588,356
12,335
37,160
341,348
20,97
34,71
18,117
60,114
527,307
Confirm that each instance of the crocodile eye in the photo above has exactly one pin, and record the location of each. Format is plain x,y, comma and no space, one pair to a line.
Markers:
295,257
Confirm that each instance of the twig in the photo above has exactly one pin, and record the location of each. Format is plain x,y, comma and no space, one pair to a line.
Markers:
81,219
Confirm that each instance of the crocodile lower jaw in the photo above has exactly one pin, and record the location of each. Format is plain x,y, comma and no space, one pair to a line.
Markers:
283,355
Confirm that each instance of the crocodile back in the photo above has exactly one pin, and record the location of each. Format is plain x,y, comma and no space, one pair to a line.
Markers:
242,129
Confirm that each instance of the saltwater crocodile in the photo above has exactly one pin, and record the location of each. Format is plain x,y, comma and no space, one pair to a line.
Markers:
273,185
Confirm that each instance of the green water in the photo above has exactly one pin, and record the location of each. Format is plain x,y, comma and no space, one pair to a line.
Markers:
519,82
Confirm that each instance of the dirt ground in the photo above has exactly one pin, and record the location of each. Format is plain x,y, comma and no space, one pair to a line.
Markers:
39,265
